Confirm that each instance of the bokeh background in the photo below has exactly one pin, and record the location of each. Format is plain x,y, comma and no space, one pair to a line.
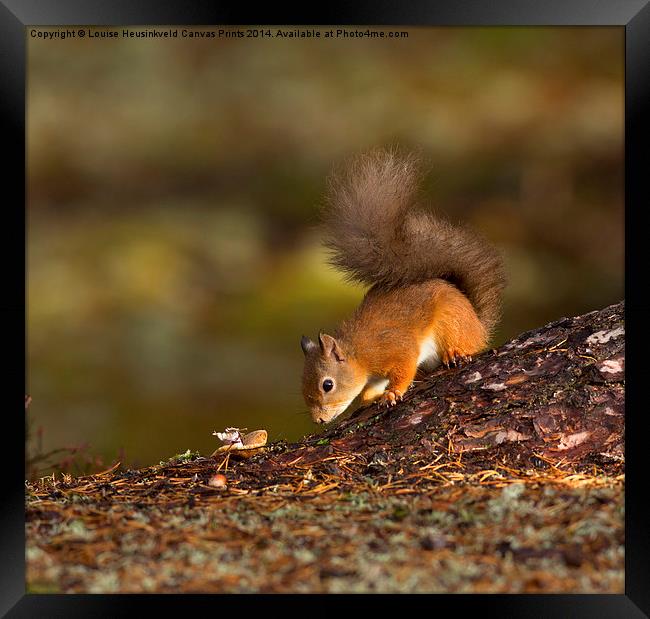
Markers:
174,186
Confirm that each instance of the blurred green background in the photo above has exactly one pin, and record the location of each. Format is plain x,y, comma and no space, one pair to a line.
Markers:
174,185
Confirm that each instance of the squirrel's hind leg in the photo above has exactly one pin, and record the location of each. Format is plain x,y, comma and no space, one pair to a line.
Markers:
459,331
452,356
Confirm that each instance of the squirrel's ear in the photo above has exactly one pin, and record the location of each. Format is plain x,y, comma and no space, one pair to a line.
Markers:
306,344
329,346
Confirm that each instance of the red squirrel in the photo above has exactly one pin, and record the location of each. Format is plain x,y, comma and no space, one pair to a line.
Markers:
435,288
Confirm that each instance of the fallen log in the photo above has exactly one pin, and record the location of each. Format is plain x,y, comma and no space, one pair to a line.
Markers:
552,397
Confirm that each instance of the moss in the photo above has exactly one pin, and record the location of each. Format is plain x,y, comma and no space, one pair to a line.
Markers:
181,458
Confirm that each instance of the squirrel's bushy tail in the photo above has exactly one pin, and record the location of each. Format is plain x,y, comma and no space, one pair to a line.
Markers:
378,236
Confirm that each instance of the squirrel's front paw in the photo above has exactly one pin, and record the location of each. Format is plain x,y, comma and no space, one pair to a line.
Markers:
391,397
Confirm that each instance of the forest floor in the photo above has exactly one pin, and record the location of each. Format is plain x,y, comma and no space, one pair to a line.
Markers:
166,529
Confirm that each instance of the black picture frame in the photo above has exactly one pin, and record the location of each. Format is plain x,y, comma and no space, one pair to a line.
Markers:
17,15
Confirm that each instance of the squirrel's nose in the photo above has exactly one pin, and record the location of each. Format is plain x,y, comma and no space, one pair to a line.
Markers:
320,420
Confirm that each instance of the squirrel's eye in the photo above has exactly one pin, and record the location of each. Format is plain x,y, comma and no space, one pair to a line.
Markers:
328,385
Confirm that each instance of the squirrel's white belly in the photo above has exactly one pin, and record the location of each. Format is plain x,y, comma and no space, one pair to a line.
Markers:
429,356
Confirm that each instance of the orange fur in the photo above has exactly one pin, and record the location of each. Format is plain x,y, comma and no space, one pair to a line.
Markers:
385,333
435,294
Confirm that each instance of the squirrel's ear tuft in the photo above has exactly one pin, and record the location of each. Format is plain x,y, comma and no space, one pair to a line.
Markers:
329,346
306,344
